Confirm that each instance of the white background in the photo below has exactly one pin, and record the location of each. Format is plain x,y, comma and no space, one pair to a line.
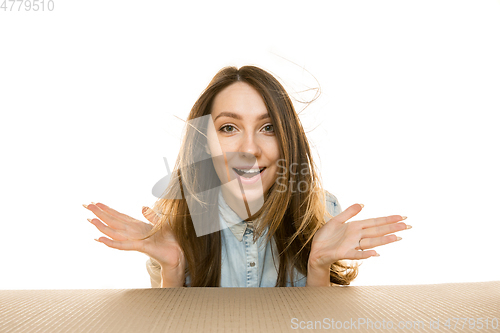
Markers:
407,123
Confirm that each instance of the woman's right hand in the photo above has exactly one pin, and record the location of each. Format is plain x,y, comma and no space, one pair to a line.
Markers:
125,230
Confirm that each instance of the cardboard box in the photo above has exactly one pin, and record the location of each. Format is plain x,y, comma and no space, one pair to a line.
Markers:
412,308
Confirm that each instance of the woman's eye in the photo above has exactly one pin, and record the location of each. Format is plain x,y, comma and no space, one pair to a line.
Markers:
227,129
269,126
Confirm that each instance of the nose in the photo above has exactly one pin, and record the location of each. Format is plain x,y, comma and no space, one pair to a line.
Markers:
249,147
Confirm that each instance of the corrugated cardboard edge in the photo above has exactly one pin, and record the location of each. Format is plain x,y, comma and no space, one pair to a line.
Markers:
418,307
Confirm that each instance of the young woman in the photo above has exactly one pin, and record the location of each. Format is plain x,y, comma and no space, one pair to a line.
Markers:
245,207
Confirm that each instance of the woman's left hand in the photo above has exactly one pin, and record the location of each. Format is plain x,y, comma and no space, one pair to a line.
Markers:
339,239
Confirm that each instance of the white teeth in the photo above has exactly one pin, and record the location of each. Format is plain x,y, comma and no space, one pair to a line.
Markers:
248,170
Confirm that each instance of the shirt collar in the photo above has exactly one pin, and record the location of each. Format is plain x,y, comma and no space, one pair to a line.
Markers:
233,221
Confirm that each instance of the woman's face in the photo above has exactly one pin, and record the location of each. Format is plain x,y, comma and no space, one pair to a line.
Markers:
244,135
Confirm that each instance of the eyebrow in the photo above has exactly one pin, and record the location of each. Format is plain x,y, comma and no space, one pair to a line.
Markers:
237,116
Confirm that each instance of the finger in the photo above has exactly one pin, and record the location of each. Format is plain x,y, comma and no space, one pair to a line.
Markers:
155,217
107,230
370,243
347,214
383,230
120,217
106,217
364,254
150,215
375,222
116,214
119,245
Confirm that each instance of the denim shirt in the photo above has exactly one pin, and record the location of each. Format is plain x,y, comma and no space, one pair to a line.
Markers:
245,263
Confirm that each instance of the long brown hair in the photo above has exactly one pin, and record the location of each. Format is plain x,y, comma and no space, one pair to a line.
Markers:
293,216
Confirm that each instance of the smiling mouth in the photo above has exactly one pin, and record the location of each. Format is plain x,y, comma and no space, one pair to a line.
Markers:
246,174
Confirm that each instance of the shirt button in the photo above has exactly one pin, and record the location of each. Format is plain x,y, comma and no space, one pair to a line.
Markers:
252,264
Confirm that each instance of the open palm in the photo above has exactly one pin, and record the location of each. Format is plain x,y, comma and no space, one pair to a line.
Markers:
125,233
339,239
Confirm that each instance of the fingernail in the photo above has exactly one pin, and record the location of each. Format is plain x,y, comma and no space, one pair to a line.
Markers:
361,205
84,205
144,208
90,220
377,255
398,239
408,227
404,218
97,240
